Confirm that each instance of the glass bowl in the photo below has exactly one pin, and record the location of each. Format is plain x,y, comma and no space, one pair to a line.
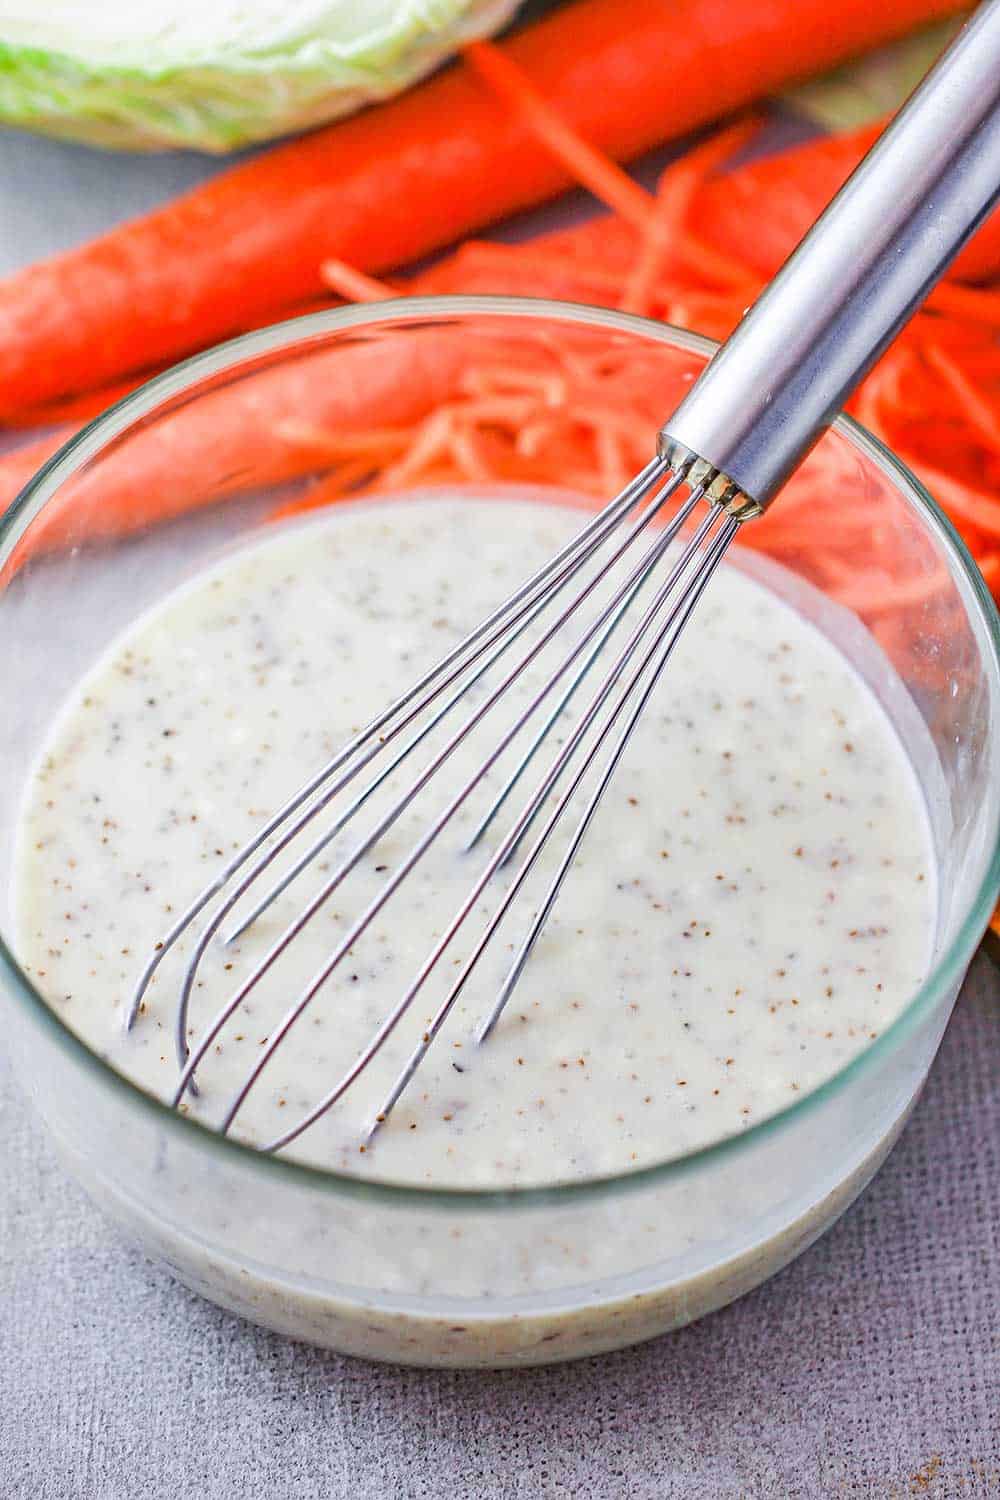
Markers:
486,1277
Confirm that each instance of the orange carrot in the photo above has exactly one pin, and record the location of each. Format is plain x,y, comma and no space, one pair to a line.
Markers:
354,285
82,406
531,412
675,194
21,464
980,415
592,168
394,182
270,427
761,210
978,304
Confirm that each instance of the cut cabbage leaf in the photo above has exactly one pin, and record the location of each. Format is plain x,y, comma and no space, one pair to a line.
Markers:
213,75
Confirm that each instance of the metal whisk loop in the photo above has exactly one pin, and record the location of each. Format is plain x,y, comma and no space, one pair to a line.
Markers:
667,638
562,759
570,558
517,622
522,625
669,631
653,553
675,619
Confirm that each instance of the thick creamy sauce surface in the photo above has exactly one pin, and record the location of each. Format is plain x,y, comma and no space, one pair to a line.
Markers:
752,905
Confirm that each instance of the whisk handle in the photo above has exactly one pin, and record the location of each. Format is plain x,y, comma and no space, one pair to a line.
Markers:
856,278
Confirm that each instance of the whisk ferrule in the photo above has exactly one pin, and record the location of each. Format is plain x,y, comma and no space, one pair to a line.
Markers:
716,487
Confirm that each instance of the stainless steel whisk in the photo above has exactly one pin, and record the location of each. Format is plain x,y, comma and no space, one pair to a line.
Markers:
745,426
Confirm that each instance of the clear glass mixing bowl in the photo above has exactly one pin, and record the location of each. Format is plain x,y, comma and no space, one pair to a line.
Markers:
479,1277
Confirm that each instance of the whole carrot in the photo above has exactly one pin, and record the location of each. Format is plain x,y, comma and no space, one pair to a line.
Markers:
80,406
272,426
387,186
23,463
761,210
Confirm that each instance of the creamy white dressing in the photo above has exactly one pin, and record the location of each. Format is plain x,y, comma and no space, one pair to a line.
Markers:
752,905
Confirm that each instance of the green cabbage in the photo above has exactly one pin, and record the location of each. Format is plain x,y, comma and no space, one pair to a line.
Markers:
217,74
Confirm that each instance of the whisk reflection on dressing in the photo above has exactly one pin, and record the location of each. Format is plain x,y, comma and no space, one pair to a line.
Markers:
724,455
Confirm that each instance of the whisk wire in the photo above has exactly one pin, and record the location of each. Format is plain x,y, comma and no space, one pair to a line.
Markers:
570,557
337,827
675,622
544,789
655,551
677,616
189,1061
556,714
517,624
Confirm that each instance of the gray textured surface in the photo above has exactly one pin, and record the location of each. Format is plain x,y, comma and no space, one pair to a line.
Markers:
871,1367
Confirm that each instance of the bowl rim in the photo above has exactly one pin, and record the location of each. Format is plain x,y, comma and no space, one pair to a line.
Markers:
111,423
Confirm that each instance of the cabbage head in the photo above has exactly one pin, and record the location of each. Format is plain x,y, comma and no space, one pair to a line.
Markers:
217,74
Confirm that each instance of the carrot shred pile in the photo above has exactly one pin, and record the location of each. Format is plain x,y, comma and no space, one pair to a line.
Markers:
552,415
527,410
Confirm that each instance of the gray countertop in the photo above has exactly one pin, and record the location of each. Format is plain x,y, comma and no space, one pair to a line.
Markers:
869,1367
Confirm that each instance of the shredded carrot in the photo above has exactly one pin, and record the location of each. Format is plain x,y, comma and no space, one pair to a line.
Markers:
569,412
554,413
666,231
696,255
979,304
964,501
594,169
354,285
656,246
977,409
